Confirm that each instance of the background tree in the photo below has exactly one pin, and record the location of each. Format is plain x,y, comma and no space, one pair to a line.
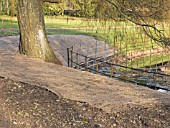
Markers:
12,8
1,7
54,9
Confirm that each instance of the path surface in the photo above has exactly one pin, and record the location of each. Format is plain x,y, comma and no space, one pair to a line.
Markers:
109,94
82,44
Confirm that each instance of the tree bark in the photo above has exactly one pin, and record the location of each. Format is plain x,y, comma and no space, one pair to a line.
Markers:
33,39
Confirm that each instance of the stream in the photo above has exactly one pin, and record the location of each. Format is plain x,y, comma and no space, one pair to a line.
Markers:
153,77
152,80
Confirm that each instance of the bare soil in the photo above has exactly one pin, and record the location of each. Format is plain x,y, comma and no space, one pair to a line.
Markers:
36,94
29,106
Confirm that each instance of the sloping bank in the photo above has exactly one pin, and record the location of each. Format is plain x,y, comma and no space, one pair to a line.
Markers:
112,96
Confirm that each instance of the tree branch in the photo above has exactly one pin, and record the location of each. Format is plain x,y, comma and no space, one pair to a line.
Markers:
160,37
53,1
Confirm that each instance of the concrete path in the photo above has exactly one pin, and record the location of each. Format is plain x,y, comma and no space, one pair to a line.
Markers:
98,91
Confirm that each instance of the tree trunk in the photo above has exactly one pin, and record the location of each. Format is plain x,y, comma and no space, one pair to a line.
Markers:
33,39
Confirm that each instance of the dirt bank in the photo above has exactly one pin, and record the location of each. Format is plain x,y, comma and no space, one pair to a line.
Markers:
29,106
126,103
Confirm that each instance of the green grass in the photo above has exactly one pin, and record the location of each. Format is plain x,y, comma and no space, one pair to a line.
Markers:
147,61
9,32
67,32
127,34
8,22
64,22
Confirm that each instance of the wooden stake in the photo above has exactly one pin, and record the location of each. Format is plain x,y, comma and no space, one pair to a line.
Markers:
157,58
97,67
71,58
85,63
150,54
77,65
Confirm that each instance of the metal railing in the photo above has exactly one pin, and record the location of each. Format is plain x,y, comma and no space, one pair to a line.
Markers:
152,78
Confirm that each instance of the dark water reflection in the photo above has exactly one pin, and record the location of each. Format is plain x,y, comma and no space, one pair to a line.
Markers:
152,80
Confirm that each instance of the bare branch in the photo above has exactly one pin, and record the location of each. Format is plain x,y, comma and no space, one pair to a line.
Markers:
139,20
53,1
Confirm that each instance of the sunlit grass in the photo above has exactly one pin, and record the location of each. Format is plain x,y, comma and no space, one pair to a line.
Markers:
125,36
130,35
8,22
149,60
67,32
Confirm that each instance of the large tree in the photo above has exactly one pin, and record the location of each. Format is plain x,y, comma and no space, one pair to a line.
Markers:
33,39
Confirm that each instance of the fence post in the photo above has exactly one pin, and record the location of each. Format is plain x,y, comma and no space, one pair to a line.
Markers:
68,57
105,50
71,57
151,54
144,42
127,40
2,26
96,51
112,70
121,54
114,45
156,58
97,66
77,61
163,56
85,63
155,79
